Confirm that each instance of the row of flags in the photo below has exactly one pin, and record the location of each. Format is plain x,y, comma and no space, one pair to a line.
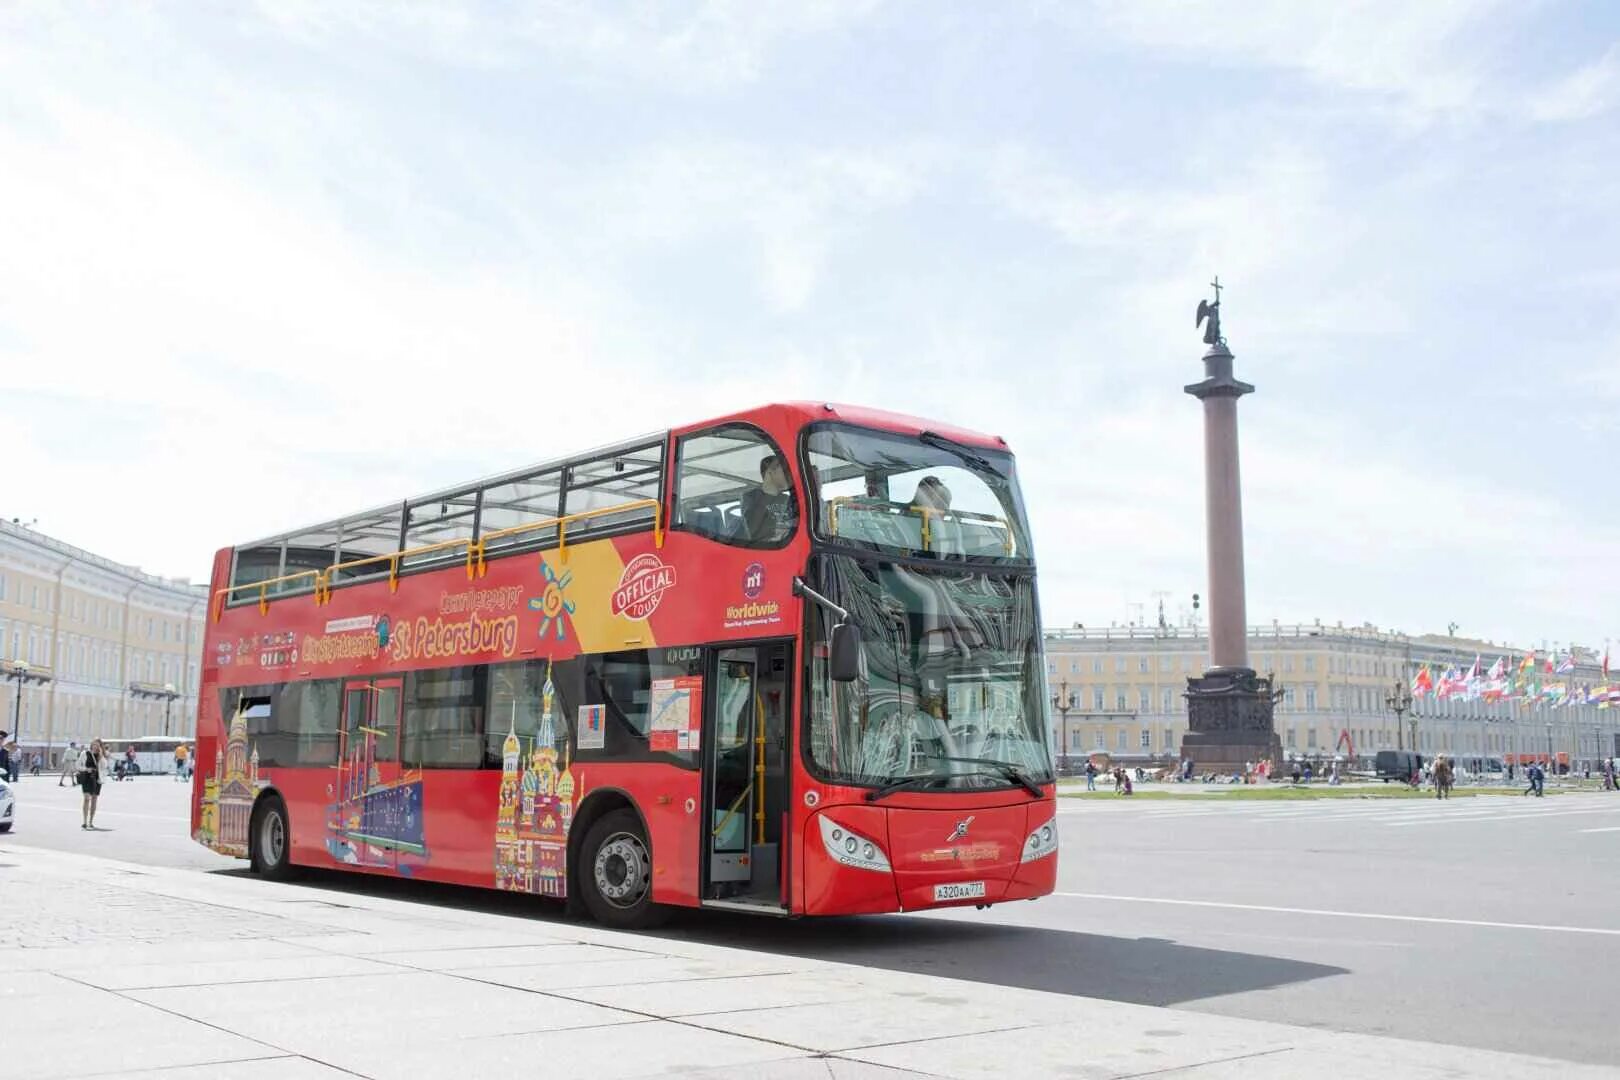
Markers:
1533,682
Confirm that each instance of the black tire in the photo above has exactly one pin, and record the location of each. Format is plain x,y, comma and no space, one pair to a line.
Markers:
6,827
614,876
270,840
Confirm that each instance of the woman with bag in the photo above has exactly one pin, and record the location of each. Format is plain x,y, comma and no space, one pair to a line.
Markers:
90,780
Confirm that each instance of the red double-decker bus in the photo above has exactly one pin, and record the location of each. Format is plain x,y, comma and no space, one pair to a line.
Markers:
788,661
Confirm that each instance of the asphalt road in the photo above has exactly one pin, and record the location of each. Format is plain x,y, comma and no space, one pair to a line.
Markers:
1486,922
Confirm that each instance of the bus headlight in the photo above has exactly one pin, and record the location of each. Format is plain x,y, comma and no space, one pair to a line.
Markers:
1042,842
850,848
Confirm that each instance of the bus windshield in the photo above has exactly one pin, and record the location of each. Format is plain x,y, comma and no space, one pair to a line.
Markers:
915,495
952,684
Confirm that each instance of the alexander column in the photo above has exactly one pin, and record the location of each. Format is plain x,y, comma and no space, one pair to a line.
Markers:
1229,707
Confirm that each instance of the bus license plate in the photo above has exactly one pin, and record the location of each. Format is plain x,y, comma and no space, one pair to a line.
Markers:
960,890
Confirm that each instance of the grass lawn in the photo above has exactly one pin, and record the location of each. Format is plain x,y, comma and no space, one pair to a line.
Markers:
1293,794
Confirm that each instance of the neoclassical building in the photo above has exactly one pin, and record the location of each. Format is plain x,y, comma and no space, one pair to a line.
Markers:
103,649
1119,690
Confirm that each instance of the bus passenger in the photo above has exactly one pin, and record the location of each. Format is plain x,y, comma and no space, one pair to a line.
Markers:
768,509
932,494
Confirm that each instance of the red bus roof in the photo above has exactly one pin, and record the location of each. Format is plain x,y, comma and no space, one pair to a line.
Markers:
805,412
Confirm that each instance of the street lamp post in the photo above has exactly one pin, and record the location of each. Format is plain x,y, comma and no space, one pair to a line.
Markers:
165,693
1062,703
1399,700
21,674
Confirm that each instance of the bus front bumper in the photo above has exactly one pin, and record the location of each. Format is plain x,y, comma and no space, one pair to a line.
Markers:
861,859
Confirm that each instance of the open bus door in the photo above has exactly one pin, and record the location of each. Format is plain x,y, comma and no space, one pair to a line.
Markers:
745,776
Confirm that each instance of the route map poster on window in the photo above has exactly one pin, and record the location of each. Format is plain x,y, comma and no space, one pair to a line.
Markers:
677,713
591,730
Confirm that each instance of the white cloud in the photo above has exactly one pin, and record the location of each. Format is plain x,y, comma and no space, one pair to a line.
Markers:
1587,92
1390,47
695,45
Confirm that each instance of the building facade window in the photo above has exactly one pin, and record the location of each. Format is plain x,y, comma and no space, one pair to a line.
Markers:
1119,665
1169,696
1310,738
1147,739
1142,664
1310,663
1096,665
1310,697
1144,701
1119,701
1099,699
1290,737
1119,740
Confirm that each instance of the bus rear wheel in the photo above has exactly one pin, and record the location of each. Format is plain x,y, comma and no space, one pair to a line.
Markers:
269,841
615,873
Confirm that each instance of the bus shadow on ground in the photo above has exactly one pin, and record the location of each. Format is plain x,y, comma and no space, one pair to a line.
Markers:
1136,971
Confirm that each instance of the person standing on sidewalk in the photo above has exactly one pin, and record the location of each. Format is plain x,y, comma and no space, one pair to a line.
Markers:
5,757
1091,775
90,762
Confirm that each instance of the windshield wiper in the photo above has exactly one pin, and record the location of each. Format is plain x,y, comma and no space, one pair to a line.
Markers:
966,453
1007,769
904,782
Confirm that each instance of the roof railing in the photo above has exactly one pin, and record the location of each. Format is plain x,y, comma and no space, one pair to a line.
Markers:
476,561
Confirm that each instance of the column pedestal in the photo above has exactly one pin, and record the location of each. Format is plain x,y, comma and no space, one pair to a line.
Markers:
1229,721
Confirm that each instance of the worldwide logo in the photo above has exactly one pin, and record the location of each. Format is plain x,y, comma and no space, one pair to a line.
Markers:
641,586
753,580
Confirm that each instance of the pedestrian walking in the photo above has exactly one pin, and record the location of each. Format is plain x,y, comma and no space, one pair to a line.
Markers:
89,772
1442,778
180,755
70,764
1537,780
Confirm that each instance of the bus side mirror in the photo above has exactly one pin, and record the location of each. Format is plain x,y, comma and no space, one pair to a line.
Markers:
844,660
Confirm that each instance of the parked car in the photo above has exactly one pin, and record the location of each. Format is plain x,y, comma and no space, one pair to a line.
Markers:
8,803
1397,764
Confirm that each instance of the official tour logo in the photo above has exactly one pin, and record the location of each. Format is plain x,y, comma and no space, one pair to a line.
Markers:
753,579
642,586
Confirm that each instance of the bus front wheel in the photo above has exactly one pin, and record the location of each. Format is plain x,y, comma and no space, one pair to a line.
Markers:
270,849
615,873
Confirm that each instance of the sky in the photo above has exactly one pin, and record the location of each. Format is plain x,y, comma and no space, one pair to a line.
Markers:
265,264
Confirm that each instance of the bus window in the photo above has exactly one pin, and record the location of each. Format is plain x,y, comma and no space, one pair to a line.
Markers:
733,485
623,477
444,718
525,500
